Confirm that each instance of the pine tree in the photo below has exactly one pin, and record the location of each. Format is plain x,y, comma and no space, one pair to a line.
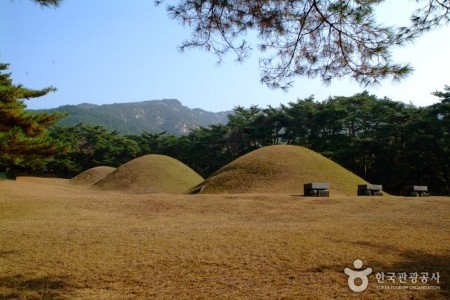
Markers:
24,140
314,38
48,2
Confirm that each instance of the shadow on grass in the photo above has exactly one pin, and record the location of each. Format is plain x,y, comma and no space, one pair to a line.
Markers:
46,287
4,253
418,261
411,261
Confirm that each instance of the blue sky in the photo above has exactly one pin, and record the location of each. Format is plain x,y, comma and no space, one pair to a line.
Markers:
126,51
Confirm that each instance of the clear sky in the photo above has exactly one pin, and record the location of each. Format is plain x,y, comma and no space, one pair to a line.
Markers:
110,51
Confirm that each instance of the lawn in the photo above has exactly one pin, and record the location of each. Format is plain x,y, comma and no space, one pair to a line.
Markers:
63,241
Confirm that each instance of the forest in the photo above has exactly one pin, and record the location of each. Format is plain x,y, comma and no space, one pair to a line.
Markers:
382,141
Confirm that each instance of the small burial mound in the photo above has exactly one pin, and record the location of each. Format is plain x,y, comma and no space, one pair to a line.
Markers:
91,176
151,173
279,169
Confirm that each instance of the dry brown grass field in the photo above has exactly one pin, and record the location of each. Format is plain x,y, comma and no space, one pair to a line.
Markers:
64,241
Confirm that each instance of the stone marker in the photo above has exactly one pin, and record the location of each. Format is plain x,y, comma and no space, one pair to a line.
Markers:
416,191
370,190
316,189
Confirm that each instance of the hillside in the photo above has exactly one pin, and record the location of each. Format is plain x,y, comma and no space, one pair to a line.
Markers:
93,175
151,174
280,169
153,116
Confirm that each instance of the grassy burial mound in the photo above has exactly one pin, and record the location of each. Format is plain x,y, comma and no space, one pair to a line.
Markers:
280,169
151,174
93,175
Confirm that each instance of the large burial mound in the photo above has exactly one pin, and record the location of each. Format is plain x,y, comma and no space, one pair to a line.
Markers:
280,169
151,174
91,176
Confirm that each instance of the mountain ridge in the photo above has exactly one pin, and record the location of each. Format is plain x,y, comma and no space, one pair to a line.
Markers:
154,116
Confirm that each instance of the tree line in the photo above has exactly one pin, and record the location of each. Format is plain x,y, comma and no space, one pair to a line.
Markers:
382,141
